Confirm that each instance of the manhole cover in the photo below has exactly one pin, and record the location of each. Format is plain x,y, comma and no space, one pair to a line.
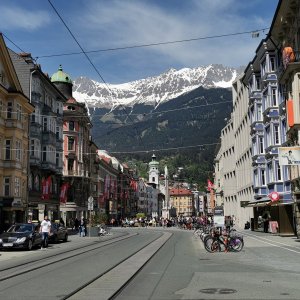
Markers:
218,291
284,294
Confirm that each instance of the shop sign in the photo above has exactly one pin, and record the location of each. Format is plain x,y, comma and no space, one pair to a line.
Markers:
17,203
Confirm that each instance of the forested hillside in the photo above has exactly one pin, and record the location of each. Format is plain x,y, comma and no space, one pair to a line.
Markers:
182,132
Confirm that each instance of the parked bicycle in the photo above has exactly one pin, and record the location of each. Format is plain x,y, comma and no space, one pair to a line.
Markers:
219,241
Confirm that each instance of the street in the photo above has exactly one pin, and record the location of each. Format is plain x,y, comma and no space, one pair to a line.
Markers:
180,268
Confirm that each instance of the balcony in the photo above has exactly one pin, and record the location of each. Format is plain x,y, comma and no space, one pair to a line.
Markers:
48,138
285,72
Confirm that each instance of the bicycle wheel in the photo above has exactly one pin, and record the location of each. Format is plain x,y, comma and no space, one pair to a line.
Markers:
236,244
215,246
207,241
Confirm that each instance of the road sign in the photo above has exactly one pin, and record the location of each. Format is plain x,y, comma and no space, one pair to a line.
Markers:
90,203
274,196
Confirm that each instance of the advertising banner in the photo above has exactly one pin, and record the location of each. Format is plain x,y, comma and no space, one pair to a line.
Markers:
289,156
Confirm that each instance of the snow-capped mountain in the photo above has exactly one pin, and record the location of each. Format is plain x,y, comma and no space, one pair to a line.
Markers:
153,90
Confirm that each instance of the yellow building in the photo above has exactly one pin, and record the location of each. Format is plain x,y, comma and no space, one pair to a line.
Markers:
183,201
14,116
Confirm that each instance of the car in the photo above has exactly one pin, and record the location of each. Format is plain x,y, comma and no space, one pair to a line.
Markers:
58,233
21,236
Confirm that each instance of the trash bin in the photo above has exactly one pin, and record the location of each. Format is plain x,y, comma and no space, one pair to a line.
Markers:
252,224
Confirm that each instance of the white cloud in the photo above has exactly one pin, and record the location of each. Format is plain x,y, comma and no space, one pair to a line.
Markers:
121,23
19,18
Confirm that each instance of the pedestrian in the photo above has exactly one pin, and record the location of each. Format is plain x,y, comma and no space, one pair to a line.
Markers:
45,230
76,224
266,218
61,221
228,223
82,227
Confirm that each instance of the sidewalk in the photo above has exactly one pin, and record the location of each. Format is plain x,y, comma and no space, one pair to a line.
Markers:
288,239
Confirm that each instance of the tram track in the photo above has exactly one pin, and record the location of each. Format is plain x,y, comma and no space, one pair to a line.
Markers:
48,260
116,271
103,282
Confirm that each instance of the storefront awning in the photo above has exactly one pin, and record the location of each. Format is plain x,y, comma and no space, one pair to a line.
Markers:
261,202
267,202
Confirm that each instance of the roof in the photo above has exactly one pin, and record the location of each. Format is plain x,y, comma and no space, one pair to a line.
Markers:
180,191
61,76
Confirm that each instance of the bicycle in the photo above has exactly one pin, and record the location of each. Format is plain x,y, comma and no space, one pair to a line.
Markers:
223,242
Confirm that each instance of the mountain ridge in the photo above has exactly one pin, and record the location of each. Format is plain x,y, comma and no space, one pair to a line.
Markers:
153,90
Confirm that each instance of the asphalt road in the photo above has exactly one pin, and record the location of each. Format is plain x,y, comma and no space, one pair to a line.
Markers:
267,268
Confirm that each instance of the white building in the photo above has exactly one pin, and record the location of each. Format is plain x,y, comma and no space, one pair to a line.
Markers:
243,158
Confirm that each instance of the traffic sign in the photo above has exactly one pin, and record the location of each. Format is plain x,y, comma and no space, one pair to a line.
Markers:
90,203
274,196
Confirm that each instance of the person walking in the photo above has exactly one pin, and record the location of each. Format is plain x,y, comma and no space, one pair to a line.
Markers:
82,227
45,230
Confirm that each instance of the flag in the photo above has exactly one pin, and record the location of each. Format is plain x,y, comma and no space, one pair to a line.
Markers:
210,185
63,197
46,184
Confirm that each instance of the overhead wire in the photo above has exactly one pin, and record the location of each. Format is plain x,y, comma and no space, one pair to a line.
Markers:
90,61
156,44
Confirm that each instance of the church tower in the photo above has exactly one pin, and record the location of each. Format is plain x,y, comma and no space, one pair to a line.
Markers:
153,171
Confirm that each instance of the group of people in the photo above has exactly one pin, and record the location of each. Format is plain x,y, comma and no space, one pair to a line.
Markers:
79,225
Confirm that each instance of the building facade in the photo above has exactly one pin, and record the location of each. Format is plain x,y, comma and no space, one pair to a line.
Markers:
15,110
46,138
242,150
182,200
76,151
284,33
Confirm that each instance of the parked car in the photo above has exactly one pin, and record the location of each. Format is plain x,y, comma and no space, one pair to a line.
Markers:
21,235
58,233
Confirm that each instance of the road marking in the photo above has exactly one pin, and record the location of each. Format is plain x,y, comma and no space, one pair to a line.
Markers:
266,241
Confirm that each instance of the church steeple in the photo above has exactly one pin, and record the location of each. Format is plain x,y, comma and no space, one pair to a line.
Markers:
63,82
153,171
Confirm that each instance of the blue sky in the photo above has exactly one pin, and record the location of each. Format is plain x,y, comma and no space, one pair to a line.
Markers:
102,24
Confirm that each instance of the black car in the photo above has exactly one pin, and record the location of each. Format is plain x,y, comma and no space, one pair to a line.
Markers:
21,236
58,233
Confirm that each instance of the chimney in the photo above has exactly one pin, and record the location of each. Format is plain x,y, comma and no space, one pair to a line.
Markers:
26,56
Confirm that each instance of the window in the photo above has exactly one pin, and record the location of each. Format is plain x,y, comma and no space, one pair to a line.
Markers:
258,113
272,64
278,172
261,145
17,187
257,79
6,186
9,110
70,164
276,134
270,171
45,124
71,125
70,143
44,157
57,132
274,97
18,150
57,162
153,179
263,177
7,149
19,112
